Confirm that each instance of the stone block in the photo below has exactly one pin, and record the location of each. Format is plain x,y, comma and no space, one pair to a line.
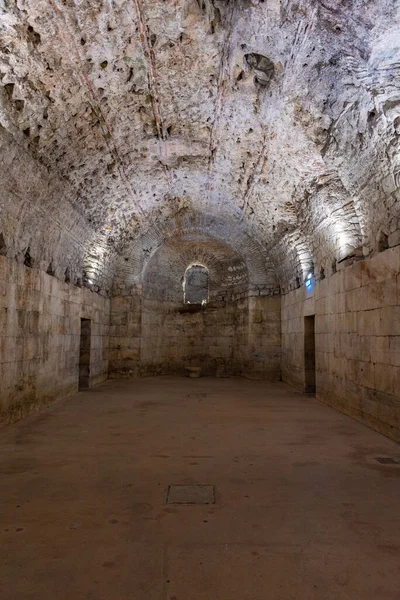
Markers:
394,350
384,378
379,349
383,266
353,276
369,322
365,374
390,320
355,300
382,293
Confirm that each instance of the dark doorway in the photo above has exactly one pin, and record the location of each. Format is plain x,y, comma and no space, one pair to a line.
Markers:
84,354
309,353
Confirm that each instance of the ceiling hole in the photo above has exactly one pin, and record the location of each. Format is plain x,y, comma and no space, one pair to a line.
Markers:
263,67
50,270
19,105
3,246
28,260
9,87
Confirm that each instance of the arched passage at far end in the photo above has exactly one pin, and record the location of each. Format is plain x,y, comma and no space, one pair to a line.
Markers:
195,284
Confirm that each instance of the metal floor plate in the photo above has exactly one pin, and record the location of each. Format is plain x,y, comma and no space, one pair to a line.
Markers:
191,494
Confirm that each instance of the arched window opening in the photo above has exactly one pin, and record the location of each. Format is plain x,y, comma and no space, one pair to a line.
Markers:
195,285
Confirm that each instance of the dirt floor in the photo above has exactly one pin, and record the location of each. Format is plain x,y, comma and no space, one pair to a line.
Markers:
303,510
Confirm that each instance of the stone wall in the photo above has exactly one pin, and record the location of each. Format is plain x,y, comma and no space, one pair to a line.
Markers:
236,332
149,337
263,355
175,335
125,335
40,320
357,336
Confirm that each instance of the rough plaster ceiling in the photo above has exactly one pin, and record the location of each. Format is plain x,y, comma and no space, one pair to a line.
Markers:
120,116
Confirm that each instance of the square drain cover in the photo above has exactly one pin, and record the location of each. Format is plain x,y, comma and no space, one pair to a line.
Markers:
384,460
191,494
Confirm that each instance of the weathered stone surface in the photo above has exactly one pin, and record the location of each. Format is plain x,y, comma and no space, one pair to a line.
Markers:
357,341
233,333
257,139
280,118
40,320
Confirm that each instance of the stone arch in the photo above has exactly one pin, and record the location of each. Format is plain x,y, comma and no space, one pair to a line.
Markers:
294,258
200,229
163,273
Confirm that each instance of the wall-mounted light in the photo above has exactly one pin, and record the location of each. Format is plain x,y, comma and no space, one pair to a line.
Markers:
89,281
309,281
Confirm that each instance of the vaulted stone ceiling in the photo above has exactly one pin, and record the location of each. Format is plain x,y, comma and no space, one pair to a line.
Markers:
121,119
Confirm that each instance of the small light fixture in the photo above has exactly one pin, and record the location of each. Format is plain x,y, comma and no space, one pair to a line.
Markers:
89,281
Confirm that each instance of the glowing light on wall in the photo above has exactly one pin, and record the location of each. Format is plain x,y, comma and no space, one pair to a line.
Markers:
309,281
94,262
345,241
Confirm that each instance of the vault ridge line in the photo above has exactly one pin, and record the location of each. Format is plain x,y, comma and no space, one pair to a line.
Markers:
76,58
223,80
153,85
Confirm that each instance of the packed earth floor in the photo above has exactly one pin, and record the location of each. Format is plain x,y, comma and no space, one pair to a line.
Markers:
303,509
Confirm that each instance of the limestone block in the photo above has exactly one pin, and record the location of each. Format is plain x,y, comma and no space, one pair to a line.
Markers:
347,345
369,322
256,316
323,305
271,327
224,342
394,351
134,343
389,414
296,311
120,304
396,382
325,323
270,339
353,275
384,378
350,322
309,306
321,289
120,319
383,266
339,323
338,304
356,300
351,389
382,293
214,351
379,349
390,320
336,283
30,348
325,342
365,374
364,347
130,353
295,325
